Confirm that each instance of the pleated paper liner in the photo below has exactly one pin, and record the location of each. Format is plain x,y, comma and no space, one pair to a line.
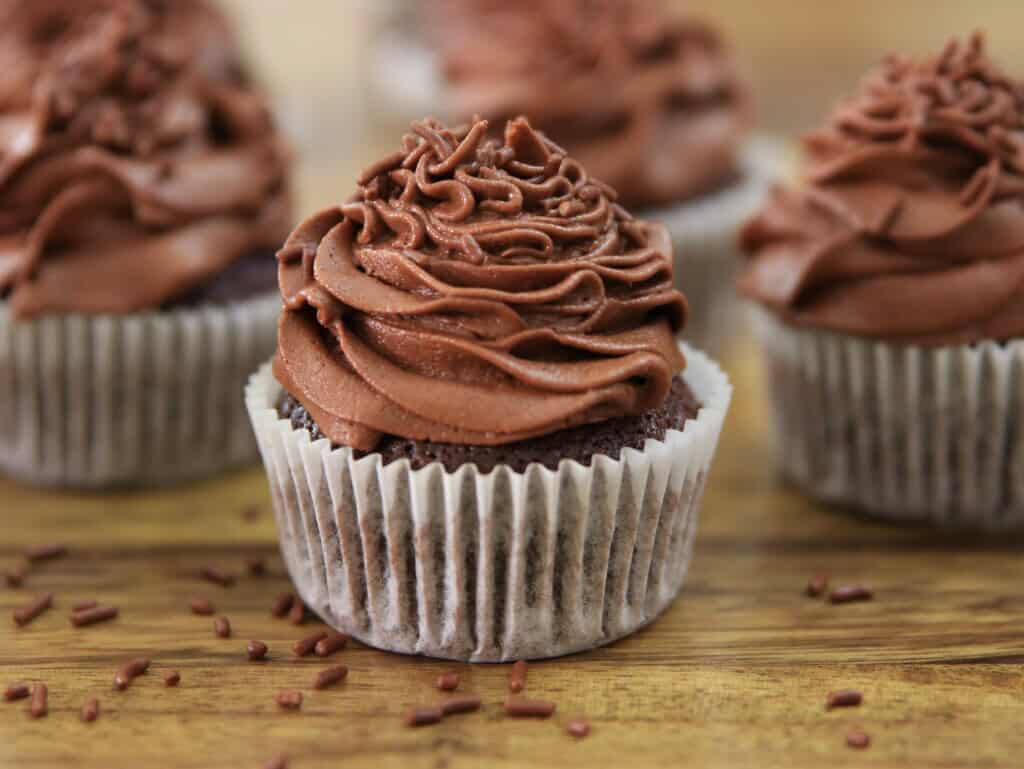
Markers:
144,399
904,433
705,236
496,566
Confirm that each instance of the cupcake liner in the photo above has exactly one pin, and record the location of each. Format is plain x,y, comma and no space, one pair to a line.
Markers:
496,566
144,399
905,433
705,235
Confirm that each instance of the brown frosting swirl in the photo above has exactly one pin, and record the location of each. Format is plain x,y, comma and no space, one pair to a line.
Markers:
136,162
478,292
648,102
910,225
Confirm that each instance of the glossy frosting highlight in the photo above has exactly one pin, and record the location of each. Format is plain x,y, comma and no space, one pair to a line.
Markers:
136,162
476,291
648,102
910,224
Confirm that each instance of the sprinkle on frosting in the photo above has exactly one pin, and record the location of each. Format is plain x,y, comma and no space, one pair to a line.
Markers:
649,102
476,291
135,161
910,226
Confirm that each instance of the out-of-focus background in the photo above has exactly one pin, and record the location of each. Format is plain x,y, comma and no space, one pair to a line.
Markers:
801,55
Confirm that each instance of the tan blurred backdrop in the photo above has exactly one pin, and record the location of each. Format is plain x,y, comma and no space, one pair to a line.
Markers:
801,55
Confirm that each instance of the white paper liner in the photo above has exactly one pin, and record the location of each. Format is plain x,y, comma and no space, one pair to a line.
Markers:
705,235
909,434
144,399
489,567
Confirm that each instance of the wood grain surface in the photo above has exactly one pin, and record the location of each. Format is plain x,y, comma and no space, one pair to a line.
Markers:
735,674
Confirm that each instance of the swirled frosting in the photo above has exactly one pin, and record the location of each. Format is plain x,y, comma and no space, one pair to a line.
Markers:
476,291
651,104
136,162
910,224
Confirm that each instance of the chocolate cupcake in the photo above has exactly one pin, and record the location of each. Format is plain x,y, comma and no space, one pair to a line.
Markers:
892,292
649,102
483,439
142,196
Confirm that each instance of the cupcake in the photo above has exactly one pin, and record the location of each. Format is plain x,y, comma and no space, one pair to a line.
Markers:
483,439
649,102
142,197
890,288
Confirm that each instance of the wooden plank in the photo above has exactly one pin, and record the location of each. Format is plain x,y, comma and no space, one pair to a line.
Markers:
735,674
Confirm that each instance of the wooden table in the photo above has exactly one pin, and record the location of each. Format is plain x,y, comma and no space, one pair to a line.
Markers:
734,675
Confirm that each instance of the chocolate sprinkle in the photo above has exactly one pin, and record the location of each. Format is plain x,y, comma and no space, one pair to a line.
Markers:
129,672
202,607
256,651
578,727
523,708
217,576
39,707
90,710
843,698
222,627
306,646
172,679
465,703
817,586
46,552
282,605
517,677
424,716
449,682
858,739
16,692
330,677
94,616
334,642
850,593
30,611
290,700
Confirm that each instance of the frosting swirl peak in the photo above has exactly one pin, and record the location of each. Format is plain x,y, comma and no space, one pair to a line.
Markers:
136,162
476,291
910,225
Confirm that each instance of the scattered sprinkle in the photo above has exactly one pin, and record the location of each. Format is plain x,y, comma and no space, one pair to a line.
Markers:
464,703
843,698
282,605
257,651
817,586
850,593
30,611
15,576
330,677
523,708
424,716
217,576
858,739
256,567
129,672
222,627
39,707
93,616
46,552
290,700
202,607
449,682
517,677
578,727
297,614
16,692
306,645
334,642
172,679
90,710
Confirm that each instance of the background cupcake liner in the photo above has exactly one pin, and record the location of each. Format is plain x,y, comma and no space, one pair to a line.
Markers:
489,567
903,433
705,234
153,398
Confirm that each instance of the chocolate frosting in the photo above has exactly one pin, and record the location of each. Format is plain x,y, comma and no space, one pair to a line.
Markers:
650,103
136,162
910,224
479,292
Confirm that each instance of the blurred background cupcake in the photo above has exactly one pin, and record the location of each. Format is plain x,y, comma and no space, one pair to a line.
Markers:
143,191
651,102
892,288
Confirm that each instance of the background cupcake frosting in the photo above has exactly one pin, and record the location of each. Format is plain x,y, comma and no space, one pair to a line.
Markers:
911,224
137,163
